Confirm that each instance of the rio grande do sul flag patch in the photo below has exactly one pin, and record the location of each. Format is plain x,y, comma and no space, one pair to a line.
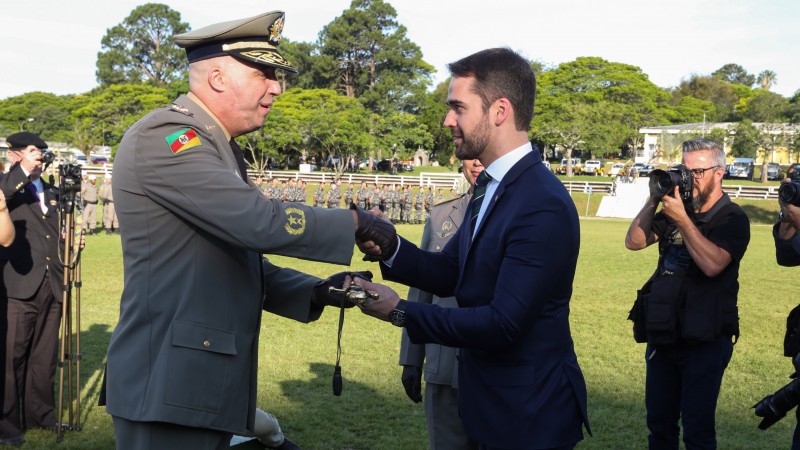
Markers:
182,140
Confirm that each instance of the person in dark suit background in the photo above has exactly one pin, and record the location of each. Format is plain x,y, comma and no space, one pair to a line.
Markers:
32,286
445,430
7,231
520,385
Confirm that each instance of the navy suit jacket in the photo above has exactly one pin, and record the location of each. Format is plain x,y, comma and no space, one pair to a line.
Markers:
520,385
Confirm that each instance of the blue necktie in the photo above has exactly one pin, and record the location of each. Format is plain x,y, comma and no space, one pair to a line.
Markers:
477,198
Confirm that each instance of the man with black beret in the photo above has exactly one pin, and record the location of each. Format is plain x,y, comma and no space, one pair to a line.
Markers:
182,361
32,279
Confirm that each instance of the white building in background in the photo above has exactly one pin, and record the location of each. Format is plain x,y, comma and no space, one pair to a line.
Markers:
651,151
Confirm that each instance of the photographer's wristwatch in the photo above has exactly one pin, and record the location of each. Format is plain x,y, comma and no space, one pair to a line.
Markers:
398,315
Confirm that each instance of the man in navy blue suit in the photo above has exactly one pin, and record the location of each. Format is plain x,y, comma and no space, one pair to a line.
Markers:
510,267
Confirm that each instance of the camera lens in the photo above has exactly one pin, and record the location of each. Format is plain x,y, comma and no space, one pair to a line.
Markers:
661,183
790,193
48,157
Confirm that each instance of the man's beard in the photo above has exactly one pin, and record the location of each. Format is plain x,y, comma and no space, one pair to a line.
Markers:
473,144
699,200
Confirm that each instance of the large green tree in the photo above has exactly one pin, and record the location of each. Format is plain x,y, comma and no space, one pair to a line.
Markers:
596,105
721,94
103,116
140,49
44,114
372,58
734,74
312,121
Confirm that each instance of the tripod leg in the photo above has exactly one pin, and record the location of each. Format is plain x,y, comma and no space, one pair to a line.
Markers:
64,322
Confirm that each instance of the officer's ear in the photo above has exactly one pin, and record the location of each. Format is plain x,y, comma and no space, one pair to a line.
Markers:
217,79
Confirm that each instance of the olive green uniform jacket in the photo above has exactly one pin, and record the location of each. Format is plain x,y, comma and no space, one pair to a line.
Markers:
185,348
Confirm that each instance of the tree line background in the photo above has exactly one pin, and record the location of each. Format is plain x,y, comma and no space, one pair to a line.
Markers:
364,90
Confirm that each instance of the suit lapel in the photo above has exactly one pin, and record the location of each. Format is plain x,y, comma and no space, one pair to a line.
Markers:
510,177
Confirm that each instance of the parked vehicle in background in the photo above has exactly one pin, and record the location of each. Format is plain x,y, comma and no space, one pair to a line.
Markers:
577,167
646,169
594,167
80,159
547,164
618,169
740,168
774,171
98,159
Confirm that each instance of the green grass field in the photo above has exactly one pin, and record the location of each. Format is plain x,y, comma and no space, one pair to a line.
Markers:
296,360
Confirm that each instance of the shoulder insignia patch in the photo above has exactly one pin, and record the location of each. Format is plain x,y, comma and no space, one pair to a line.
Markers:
182,140
295,221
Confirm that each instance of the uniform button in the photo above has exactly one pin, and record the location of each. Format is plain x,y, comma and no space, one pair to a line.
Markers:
48,258
206,343
47,236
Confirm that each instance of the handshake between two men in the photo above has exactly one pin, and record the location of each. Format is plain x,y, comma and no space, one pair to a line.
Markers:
377,239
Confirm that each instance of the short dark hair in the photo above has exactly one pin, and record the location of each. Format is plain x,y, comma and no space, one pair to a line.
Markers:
501,73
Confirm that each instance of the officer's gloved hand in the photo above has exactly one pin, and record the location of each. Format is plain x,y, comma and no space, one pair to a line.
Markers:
412,382
377,230
322,295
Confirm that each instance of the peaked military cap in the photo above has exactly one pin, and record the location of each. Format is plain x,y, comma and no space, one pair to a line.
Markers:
23,139
254,39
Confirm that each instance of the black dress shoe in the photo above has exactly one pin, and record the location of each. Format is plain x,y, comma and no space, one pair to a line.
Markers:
287,444
15,441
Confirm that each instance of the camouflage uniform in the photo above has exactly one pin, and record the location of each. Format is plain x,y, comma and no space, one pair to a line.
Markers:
334,196
348,196
319,197
384,197
394,198
405,204
374,197
428,201
362,199
419,199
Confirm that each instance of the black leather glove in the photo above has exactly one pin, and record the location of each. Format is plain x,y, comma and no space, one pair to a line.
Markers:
412,382
377,230
322,295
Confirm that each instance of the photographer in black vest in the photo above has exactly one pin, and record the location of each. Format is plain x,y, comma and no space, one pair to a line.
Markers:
687,311
787,253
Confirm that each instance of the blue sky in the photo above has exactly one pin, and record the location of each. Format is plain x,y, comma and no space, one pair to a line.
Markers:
52,45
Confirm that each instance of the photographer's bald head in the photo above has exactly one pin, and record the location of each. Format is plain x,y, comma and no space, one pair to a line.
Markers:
232,69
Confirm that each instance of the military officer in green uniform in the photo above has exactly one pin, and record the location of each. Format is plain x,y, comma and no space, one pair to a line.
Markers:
182,361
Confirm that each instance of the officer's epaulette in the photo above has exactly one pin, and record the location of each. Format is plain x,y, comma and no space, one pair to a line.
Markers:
448,200
178,108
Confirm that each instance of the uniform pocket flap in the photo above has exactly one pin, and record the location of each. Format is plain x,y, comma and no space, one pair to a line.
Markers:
201,337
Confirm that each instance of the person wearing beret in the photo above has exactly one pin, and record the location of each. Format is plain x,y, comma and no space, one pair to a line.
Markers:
31,292
182,361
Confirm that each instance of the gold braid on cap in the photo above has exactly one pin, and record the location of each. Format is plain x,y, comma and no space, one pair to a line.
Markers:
267,56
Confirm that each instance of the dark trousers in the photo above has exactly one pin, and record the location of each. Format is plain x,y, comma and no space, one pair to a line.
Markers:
30,361
683,383
131,435
566,447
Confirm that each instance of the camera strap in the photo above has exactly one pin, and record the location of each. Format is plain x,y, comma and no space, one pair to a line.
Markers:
337,369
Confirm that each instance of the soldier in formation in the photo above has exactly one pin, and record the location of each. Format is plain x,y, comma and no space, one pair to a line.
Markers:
334,196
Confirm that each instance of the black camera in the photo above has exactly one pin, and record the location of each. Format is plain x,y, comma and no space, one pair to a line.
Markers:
48,157
774,407
789,193
69,178
663,182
